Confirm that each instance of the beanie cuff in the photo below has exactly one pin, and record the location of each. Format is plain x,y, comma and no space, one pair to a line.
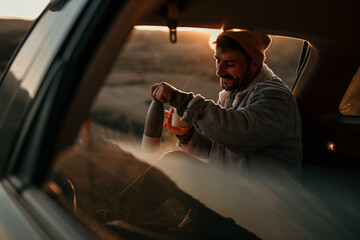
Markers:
254,44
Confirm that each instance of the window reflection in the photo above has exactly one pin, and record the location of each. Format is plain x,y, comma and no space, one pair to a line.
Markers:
119,191
350,104
109,187
52,33
26,74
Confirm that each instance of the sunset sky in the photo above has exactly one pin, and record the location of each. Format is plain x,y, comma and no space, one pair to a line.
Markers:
21,9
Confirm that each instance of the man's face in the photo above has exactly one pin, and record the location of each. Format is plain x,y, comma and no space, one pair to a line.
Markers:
233,69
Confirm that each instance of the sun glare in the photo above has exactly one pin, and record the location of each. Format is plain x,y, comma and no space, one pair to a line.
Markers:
21,9
166,29
214,33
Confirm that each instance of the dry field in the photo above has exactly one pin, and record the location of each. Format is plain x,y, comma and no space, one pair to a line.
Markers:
149,57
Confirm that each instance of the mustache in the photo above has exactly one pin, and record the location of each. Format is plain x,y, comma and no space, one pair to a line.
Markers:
226,76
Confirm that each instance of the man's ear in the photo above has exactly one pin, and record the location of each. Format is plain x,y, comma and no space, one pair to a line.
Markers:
254,66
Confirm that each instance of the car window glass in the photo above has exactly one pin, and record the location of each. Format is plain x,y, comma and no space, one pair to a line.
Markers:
283,56
23,80
56,24
11,33
118,190
14,22
350,104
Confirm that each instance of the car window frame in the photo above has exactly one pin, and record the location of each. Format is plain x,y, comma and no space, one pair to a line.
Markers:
34,70
31,210
22,183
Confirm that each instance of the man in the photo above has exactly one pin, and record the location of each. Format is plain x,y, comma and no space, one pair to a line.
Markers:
255,124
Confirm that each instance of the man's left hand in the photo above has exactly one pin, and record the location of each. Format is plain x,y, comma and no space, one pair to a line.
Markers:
167,124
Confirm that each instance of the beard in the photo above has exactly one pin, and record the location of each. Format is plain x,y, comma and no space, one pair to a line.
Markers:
230,83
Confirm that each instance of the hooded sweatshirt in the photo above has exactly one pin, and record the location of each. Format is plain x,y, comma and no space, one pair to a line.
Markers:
257,129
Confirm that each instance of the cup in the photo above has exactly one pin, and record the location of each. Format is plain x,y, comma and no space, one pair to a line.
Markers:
177,121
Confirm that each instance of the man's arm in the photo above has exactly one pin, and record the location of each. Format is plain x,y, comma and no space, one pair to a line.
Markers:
257,125
195,144
166,93
260,123
188,138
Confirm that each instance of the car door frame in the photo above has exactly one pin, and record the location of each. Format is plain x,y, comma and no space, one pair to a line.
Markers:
71,82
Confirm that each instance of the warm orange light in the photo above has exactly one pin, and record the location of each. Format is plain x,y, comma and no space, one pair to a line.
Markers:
54,188
238,30
152,28
166,29
330,146
214,33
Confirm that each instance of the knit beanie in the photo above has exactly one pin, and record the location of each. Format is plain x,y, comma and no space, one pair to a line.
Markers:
254,44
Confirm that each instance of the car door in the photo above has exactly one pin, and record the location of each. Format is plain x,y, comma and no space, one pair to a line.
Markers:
42,119
39,89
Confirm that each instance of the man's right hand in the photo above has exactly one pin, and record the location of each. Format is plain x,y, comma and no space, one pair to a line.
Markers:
167,124
162,92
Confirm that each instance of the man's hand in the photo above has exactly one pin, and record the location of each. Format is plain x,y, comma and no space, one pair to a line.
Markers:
167,124
162,92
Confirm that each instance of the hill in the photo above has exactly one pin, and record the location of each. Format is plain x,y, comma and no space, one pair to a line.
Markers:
11,33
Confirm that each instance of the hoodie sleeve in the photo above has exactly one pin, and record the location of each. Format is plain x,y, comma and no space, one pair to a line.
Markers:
195,144
258,124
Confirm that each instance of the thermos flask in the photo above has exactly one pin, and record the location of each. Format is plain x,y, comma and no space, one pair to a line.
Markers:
153,127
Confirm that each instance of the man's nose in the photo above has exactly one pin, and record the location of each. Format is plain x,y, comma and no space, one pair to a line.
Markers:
220,70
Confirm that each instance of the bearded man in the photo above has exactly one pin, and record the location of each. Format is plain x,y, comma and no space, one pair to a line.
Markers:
255,123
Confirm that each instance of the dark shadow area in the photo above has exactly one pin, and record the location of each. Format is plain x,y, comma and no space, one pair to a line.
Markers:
109,187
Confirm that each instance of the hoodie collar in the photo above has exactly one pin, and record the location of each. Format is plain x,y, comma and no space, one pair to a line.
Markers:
264,74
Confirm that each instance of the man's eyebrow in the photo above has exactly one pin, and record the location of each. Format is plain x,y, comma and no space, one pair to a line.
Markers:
227,61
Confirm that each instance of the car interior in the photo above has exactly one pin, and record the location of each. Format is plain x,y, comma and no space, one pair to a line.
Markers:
80,142
328,134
